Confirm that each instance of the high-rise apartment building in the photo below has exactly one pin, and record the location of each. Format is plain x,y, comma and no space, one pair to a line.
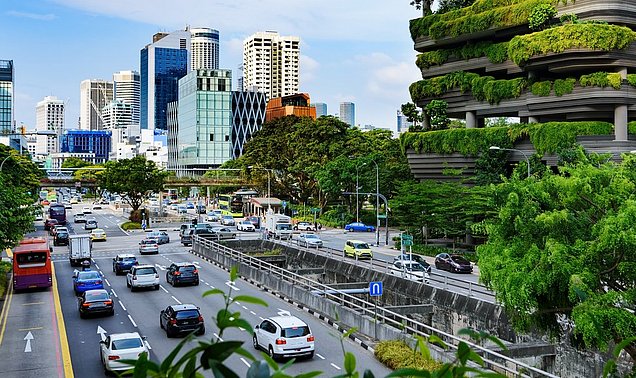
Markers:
162,64
403,123
117,114
127,87
321,109
6,96
49,115
94,95
348,113
204,48
271,63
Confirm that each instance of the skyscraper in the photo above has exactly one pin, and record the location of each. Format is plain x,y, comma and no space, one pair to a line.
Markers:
271,63
49,115
94,95
403,123
321,109
348,113
6,96
163,63
204,48
117,114
128,91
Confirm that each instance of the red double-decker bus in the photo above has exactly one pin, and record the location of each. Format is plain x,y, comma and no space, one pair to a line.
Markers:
32,264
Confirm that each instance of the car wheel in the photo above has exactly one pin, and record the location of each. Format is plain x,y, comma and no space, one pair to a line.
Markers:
160,323
196,283
255,342
437,266
112,313
201,331
311,355
82,316
157,287
127,284
271,353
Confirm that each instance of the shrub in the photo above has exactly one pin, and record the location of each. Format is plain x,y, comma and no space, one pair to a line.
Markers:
496,53
5,268
130,226
542,88
395,354
631,79
601,79
631,127
564,86
541,15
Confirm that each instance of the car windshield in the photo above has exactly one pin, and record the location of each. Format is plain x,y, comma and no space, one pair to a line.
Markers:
311,236
186,314
295,332
146,271
88,276
129,259
459,259
283,227
416,267
127,344
147,241
97,296
361,246
187,269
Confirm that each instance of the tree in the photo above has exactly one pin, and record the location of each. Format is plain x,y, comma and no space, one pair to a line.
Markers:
134,179
436,111
449,5
412,115
424,5
74,162
563,247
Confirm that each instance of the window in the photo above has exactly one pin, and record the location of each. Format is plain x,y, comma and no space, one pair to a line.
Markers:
211,137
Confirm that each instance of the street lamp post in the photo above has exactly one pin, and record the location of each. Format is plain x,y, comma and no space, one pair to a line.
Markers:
357,190
377,203
496,148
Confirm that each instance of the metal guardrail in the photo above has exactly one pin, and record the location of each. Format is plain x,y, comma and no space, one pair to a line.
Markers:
509,366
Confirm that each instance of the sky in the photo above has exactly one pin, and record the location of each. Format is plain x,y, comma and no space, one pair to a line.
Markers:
351,50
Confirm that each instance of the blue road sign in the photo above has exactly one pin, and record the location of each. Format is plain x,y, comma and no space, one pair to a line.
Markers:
284,204
375,289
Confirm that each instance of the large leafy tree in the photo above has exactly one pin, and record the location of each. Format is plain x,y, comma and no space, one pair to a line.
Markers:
134,179
75,162
563,247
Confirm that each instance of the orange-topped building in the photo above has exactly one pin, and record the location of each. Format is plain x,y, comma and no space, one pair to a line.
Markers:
297,104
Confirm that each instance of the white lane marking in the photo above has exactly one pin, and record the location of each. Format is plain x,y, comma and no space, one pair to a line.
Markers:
178,301
282,312
334,365
105,226
148,345
132,321
262,318
160,267
320,356
244,308
93,260
106,280
217,336
231,285
242,329
115,294
252,312
163,288
245,362
96,266
122,305
196,263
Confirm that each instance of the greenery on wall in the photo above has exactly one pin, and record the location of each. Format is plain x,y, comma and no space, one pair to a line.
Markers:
631,79
495,52
564,86
541,88
550,137
558,39
601,79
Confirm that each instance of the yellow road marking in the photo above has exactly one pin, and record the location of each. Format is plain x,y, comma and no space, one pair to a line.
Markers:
30,329
32,303
66,353
5,310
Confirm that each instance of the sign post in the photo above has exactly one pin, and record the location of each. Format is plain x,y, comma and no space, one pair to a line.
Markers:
375,290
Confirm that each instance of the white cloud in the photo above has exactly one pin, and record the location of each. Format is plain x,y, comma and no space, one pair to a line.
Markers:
34,16
308,68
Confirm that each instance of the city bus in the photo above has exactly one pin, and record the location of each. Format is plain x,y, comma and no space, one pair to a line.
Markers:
234,204
58,212
32,264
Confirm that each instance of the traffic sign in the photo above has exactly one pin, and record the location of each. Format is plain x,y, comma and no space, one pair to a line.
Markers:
315,210
375,288
407,240
284,204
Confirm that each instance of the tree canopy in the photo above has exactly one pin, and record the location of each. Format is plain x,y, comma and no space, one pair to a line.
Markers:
563,247
134,179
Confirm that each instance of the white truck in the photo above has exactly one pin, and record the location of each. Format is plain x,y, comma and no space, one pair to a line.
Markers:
79,249
278,226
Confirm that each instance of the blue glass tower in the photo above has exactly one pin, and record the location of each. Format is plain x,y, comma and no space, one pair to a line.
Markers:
81,141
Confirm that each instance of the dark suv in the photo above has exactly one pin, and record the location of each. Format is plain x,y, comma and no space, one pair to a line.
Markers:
61,238
177,319
182,273
124,262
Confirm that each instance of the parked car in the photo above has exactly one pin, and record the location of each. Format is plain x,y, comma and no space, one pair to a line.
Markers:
174,207
45,202
453,263
38,215
182,272
228,220
284,336
413,257
223,233
86,280
411,270
95,302
357,249
98,234
161,237
148,246
304,226
359,226
123,262
121,346
90,224
79,218
309,240
181,318
61,238
50,223
141,276
245,226
87,210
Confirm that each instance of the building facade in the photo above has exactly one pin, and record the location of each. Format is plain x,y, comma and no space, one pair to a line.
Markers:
6,97
204,49
94,144
49,115
117,114
297,104
127,86
272,64
348,113
321,109
403,123
162,64
248,115
94,95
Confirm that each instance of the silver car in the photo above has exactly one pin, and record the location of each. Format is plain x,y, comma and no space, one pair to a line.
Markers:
228,220
309,240
222,233
148,246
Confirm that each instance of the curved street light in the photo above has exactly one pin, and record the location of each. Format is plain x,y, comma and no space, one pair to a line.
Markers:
496,148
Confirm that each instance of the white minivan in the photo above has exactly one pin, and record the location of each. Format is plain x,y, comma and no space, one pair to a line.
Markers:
142,276
284,336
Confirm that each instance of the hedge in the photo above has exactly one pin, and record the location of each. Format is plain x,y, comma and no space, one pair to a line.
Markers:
550,137
5,268
396,354
495,52
130,226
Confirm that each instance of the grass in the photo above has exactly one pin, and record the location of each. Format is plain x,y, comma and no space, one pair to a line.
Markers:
5,268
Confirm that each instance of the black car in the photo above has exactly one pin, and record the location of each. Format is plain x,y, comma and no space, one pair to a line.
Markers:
453,263
179,319
61,238
95,302
182,273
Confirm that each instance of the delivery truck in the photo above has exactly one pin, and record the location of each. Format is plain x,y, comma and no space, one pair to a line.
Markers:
79,249
278,226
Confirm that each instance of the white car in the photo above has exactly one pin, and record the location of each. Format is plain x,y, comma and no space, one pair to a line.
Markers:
228,220
141,276
87,210
304,226
245,226
411,270
284,336
121,346
213,216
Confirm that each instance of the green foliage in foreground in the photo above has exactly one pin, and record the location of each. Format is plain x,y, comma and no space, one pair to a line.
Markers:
5,268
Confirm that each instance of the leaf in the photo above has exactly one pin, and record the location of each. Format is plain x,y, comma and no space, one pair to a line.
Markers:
250,299
168,361
312,374
350,362
434,339
421,344
234,273
410,372
368,374
349,332
141,367
213,292
219,352
258,369
243,352
190,368
463,351
475,357
622,345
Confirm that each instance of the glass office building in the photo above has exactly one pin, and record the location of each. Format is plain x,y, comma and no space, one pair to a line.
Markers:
91,142
6,96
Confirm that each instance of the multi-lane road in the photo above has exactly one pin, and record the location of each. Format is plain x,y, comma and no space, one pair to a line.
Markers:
139,311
